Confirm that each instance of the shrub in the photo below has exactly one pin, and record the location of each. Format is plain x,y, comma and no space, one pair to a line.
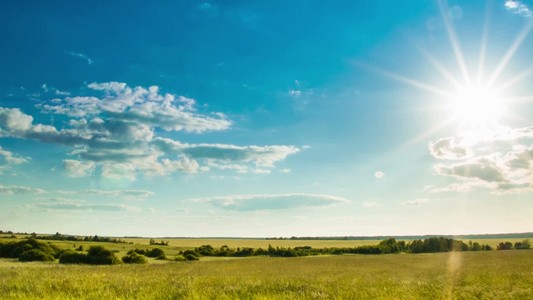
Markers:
156,252
190,257
71,257
179,258
35,255
134,258
98,255
191,252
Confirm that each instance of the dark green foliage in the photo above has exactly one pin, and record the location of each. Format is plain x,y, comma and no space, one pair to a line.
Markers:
190,257
156,252
525,244
191,252
15,249
134,258
35,255
205,250
138,251
71,257
436,244
505,246
98,255
60,237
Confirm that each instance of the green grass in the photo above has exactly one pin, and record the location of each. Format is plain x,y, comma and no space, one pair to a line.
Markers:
461,275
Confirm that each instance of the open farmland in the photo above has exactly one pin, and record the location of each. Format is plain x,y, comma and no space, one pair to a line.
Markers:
455,275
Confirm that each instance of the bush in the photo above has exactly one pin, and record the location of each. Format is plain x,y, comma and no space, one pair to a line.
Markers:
134,258
179,258
71,257
190,257
98,255
156,252
35,255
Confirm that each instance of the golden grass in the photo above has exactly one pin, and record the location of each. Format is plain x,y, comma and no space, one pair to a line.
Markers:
465,275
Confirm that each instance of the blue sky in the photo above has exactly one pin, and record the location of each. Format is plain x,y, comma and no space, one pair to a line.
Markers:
258,119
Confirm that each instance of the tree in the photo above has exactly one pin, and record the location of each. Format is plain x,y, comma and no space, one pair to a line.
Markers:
525,244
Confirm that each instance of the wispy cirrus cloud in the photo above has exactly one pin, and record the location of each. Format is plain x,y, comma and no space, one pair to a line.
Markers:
271,201
127,194
15,189
415,202
80,55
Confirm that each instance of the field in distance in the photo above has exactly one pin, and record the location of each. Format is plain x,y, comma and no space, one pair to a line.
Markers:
452,275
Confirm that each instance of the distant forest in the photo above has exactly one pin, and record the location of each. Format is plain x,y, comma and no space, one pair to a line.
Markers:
414,237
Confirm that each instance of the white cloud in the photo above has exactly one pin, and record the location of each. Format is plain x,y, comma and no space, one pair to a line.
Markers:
261,156
485,169
80,55
415,202
11,158
117,134
379,174
271,201
446,148
77,168
83,207
14,189
500,160
111,193
286,171
371,204
454,187
517,7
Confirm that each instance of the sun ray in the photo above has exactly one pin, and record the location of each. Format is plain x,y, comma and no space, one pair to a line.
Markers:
404,79
441,68
515,79
453,40
510,53
484,40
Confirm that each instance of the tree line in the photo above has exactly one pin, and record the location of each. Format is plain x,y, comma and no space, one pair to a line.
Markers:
31,249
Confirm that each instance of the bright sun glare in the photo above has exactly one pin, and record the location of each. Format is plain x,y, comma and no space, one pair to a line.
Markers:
477,106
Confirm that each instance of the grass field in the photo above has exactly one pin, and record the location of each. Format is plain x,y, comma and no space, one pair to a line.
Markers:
459,275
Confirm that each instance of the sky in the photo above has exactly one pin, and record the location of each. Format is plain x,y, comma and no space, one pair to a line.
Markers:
266,118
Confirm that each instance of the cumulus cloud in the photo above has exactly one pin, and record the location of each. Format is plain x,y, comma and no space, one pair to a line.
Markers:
141,106
379,174
517,7
371,204
484,169
14,189
500,160
78,168
415,202
271,201
117,134
446,148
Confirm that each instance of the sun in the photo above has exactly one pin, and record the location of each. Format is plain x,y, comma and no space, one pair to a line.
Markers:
477,106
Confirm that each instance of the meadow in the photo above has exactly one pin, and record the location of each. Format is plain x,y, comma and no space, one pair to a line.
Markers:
455,275
451,275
